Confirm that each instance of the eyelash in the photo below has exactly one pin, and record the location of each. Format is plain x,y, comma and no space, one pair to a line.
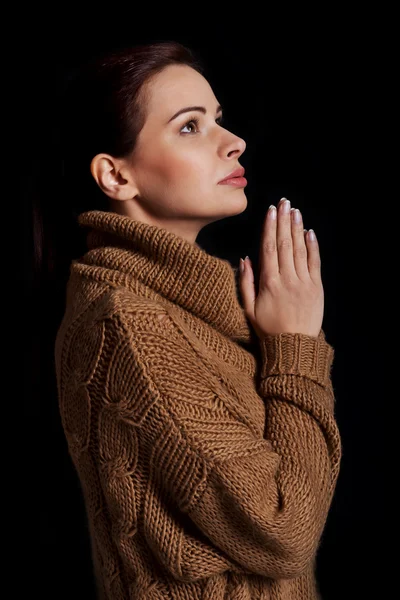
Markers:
195,120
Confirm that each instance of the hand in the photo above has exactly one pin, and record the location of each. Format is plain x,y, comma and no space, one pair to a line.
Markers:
291,296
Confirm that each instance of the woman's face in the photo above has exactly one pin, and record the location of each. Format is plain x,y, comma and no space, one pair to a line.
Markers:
180,159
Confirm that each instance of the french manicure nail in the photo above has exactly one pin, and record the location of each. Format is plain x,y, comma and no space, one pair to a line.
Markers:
296,215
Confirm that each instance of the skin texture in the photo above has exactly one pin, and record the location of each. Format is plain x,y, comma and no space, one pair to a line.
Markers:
171,178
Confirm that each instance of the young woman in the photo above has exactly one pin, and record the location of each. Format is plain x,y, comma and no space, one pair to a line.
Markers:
206,474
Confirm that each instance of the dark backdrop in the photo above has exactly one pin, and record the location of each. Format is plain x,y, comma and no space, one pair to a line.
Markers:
298,99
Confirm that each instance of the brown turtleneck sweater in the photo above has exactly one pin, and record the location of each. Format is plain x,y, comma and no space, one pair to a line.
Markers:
206,474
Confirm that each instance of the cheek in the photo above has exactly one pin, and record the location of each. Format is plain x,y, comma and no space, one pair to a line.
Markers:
174,165
187,166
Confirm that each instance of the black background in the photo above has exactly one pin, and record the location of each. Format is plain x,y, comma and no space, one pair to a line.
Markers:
301,98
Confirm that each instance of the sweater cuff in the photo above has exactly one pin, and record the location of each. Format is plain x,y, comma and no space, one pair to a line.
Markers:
297,354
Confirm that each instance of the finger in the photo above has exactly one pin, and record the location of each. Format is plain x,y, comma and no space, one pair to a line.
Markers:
314,258
246,284
284,240
268,259
280,202
300,253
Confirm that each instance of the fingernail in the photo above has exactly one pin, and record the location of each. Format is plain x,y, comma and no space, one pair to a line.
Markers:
296,215
241,265
311,235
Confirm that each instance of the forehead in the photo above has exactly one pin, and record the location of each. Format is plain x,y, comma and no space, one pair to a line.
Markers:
178,86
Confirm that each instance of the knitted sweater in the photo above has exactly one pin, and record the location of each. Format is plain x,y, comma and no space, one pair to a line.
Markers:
207,474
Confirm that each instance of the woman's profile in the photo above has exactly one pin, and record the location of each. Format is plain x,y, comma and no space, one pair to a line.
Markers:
206,473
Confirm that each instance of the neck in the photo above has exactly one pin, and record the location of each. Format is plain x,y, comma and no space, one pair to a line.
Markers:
182,273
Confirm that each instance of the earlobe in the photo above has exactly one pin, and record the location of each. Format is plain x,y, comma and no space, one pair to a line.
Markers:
106,170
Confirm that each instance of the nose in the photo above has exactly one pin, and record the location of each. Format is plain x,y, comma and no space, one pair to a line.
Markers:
233,147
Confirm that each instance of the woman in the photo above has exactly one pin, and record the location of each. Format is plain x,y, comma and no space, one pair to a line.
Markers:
205,474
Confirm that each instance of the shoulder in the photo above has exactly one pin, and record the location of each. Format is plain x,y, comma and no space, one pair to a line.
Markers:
123,304
128,307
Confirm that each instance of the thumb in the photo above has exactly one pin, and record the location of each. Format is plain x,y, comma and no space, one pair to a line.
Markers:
247,288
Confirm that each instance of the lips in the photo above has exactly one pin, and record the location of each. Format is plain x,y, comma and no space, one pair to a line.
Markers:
237,173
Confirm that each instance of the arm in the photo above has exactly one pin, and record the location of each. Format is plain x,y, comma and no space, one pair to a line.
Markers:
268,510
246,503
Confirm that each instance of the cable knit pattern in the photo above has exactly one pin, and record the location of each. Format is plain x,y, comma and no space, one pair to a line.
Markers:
207,474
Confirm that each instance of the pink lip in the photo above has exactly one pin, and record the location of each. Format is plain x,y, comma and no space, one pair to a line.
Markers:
235,181
237,173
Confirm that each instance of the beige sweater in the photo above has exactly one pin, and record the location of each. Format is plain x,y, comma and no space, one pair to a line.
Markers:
205,475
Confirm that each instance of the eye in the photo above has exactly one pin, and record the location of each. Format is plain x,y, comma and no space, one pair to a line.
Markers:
189,124
195,121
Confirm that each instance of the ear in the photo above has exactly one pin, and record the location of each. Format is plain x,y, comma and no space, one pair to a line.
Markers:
114,177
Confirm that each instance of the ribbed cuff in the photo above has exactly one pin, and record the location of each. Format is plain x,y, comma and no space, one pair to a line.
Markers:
297,354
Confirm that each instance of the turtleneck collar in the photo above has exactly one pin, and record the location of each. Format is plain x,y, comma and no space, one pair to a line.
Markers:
181,272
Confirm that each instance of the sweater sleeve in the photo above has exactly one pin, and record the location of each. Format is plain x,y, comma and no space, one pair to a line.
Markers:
268,509
246,502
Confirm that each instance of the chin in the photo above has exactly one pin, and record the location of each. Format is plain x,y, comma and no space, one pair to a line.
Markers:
238,202
235,206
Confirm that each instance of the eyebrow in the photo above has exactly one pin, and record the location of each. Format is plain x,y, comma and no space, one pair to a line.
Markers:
192,108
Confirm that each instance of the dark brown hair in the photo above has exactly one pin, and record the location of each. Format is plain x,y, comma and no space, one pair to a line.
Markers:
102,109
